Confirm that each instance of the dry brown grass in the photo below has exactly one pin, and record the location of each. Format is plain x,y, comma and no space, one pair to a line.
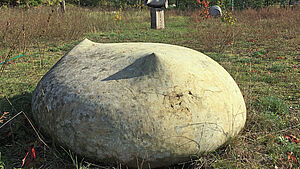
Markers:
258,26
25,28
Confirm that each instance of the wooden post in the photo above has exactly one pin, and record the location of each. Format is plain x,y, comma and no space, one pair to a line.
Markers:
63,6
157,18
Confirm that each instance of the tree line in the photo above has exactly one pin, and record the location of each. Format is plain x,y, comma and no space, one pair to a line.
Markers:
181,4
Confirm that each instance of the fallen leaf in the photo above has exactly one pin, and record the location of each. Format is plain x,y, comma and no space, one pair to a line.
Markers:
291,157
32,153
24,159
32,156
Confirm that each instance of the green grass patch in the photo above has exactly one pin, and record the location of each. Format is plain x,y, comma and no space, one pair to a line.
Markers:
272,104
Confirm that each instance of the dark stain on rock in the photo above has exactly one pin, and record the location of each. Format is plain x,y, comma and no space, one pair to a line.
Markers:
179,95
85,68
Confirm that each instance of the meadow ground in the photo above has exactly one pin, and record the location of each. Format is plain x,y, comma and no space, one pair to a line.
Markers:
261,51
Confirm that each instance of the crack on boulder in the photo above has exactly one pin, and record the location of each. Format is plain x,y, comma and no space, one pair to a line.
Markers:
216,128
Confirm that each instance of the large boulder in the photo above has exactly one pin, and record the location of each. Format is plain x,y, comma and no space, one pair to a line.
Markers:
134,103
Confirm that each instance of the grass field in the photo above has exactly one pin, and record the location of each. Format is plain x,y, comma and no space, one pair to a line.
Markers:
261,51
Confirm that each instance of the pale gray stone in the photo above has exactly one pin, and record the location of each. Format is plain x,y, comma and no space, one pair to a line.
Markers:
156,3
215,11
147,103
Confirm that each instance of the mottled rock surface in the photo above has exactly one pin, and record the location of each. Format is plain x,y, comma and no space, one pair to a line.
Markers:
134,102
215,11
